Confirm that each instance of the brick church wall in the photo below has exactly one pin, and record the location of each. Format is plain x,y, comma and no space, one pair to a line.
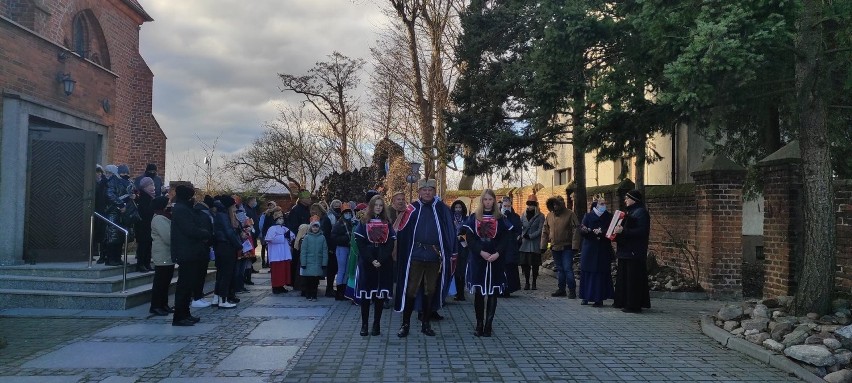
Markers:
34,33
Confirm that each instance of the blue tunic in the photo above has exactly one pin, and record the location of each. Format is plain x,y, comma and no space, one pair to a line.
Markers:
483,277
443,220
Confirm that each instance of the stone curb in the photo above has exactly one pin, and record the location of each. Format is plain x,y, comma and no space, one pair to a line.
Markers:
756,352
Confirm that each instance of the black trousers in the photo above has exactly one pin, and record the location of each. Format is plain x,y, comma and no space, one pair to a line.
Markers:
331,271
187,280
160,290
226,261
294,270
631,285
143,252
461,266
198,291
311,285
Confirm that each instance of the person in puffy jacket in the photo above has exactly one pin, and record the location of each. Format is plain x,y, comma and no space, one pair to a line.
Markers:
314,259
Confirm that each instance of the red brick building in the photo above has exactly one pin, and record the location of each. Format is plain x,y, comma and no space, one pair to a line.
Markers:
75,92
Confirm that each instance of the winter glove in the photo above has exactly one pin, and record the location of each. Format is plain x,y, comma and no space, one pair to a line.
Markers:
526,236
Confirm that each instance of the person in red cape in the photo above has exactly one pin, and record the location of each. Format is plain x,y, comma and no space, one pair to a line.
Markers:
425,245
374,274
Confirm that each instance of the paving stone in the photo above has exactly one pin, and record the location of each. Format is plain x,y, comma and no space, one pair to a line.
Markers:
120,379
165,329
284,312
105,355
215,380
284,329
40,379
258,358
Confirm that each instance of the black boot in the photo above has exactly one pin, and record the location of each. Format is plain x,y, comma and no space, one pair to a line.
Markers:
406,318
329,288
426,327
534,276
338,294
365,317
479,310
378,305
572,293
526,271
247,277
490,309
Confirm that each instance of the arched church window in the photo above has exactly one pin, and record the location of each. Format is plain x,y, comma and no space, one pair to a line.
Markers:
80,34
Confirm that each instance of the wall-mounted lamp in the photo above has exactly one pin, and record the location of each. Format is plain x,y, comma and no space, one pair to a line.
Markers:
105,105
67,82
62,56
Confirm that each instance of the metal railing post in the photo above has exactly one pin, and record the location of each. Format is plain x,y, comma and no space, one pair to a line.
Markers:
126,237
91,240
124,267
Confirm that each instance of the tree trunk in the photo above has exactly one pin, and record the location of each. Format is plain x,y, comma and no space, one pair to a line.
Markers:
577,121
817,281
772,130
641,160
427,132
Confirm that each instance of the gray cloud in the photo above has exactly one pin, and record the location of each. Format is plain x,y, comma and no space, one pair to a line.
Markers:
216,62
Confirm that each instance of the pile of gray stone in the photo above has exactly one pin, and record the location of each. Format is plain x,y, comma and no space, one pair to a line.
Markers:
821,344
667,279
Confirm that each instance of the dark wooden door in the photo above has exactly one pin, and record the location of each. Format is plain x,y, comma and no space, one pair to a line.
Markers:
60,193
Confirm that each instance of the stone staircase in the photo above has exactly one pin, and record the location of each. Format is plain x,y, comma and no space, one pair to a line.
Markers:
76,286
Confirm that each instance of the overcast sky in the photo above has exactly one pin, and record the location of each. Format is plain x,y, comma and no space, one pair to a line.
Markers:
215,63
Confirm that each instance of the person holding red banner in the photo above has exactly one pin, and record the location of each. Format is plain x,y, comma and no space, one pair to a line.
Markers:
631,282
374,275
488,239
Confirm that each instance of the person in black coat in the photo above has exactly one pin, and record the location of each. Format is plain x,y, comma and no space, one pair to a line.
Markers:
151,172
299,215
631,283
143,226
513,247
191,233
459,210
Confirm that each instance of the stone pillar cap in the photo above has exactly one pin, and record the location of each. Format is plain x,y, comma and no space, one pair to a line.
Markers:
789,153
716,164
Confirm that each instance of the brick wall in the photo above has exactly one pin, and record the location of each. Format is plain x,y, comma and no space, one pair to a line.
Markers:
782,193
29,65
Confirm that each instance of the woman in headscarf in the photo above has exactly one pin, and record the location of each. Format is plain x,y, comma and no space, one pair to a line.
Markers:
596,257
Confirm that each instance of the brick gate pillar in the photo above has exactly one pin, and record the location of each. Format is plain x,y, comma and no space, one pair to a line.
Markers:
719,223
782,218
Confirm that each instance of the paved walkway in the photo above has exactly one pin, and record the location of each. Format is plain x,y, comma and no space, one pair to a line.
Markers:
287,339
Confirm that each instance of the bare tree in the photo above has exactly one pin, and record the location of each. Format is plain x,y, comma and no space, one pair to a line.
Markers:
414,59
292,149
328,88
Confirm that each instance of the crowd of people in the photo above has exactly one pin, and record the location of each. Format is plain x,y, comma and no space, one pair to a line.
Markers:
380,253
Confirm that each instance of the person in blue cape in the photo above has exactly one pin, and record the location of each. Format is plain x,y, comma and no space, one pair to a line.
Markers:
596,257
488,236
425,245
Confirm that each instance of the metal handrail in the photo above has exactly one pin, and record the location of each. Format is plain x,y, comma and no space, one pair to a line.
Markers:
92,245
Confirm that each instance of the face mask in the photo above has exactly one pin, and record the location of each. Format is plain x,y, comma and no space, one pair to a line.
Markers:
530,210
337,210
253,204
347,216
125,176
504,211
601,208
280,221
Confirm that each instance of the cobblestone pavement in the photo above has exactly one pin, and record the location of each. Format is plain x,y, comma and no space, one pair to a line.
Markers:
287,339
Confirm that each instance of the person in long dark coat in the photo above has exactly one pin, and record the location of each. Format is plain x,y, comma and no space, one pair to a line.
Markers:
191,232
460,215
374,274
487,238
631,284
596,256
143,226
425,246
513,246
